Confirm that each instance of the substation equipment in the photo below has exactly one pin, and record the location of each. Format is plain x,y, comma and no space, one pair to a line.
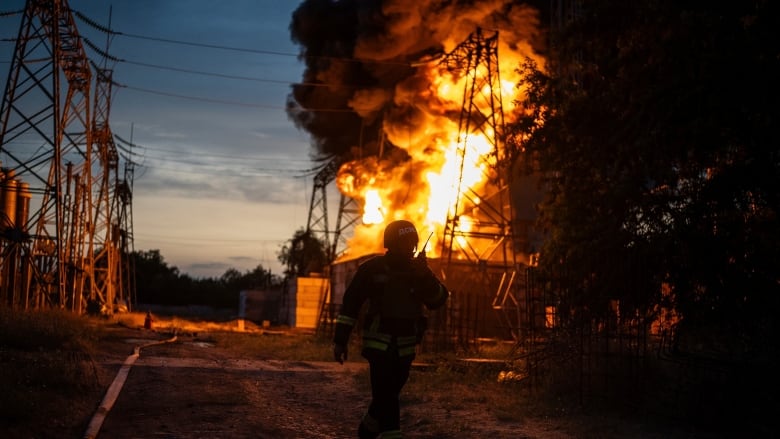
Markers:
66,230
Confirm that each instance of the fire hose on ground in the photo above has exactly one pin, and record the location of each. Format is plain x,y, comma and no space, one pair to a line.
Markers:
116,386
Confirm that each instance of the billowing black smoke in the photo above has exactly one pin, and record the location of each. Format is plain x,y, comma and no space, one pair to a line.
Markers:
363,77
377,93
328,32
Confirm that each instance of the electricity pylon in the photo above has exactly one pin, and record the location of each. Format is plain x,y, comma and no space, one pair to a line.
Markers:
347,216
478,232
106,277
124,198
59,232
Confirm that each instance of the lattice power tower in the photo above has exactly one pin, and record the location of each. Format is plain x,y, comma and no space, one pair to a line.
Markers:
64,233
478,249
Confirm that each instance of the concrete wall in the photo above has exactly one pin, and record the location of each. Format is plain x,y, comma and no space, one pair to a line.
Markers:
306,296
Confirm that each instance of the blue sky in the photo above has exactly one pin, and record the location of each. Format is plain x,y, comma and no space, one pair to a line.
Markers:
220,177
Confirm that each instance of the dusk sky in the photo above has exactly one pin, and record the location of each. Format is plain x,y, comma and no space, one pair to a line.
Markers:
221,177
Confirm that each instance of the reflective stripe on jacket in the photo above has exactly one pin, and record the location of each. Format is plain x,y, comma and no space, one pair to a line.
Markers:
396,297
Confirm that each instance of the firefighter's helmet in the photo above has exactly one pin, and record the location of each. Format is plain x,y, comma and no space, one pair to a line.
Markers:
400,231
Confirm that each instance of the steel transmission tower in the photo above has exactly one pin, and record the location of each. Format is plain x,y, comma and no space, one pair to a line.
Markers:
348,214
124,199
58,243
107,277
478,232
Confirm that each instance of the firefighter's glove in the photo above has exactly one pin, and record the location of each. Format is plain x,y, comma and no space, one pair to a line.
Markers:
340,353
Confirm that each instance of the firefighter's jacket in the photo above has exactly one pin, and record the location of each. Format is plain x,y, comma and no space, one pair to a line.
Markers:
397,295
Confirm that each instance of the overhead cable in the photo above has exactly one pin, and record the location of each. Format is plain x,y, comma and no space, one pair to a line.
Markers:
227,102
198,72
228,156
168,159
126,142
197,98
107,30
100,51
204,73
205,169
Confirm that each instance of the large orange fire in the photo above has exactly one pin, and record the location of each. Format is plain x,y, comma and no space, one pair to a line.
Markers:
424,188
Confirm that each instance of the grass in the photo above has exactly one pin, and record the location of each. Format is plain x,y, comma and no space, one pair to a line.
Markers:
46,359
44,330
46,363
253,342
442,371
295,347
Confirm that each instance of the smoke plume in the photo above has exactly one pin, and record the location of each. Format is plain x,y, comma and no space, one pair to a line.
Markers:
369,93
360,58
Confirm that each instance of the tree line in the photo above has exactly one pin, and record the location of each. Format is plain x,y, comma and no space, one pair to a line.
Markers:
654,130
160,283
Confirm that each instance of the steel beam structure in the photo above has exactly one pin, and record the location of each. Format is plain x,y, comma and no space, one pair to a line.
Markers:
347,216
105,287
124,199
60,210
478,230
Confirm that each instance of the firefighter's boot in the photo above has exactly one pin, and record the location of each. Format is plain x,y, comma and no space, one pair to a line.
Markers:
368,428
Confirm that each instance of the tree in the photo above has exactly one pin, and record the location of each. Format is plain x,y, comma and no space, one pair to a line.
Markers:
304,253
160,284
258,278
155,280
654,129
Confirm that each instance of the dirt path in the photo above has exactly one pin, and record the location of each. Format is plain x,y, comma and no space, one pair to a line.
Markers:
193,390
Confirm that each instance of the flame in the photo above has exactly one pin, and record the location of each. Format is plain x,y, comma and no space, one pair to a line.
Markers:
443,165
373,213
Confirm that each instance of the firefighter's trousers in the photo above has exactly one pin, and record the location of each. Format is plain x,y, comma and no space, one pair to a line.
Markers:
389,372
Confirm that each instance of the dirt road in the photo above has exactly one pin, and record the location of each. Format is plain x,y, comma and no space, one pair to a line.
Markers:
191,389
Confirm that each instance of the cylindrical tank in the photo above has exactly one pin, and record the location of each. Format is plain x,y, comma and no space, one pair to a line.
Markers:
23,198
3,177
9,203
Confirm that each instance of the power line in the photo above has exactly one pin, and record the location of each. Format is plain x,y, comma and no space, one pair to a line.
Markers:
228,156
213,74
197,98
223,168
104,54
203,73
9,13
226,102
252,170
236,77
279,173
107,30
245,172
